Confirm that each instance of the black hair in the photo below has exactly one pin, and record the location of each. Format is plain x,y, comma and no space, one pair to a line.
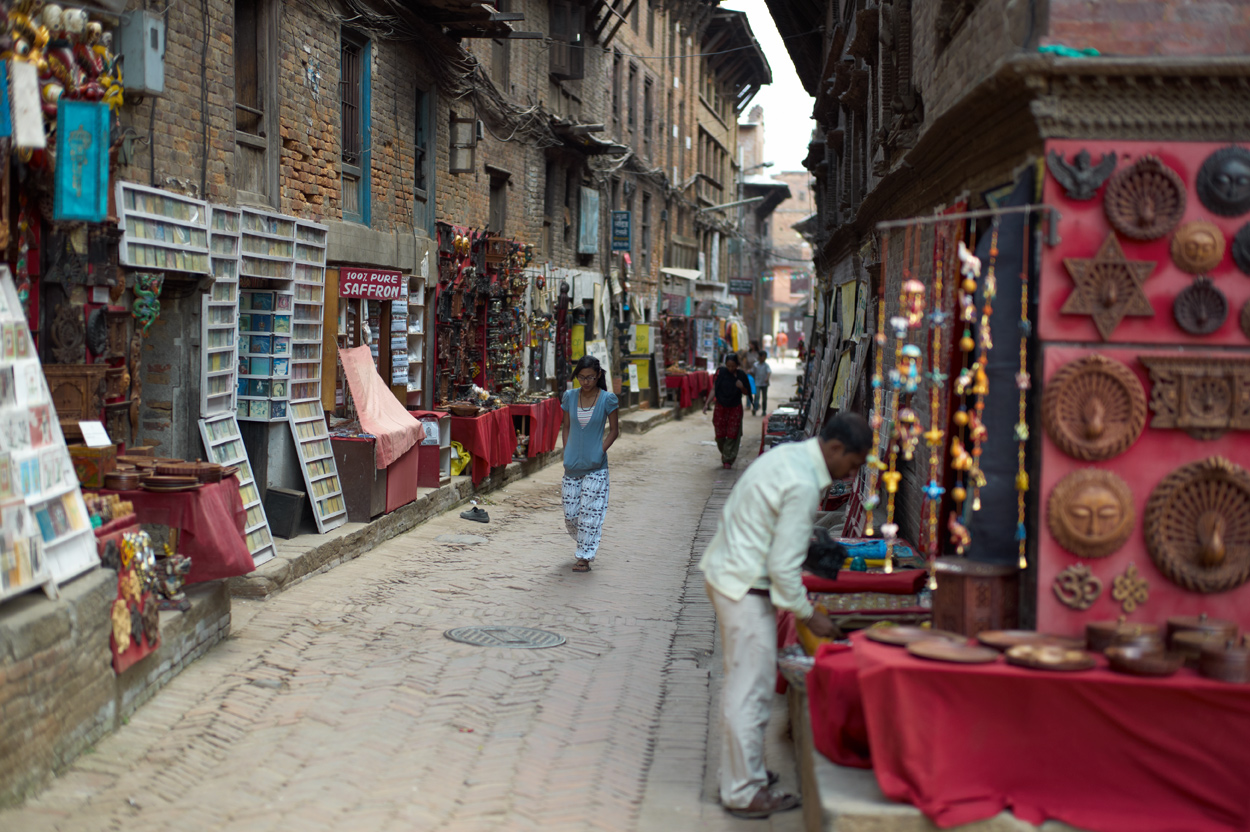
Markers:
850,429
733,356
764,354
589,362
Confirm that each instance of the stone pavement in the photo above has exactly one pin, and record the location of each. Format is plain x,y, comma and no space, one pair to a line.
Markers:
339,705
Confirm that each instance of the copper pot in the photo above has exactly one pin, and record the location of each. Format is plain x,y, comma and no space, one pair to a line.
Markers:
1200,623
1102,634
1227,662
1143,661
1189,643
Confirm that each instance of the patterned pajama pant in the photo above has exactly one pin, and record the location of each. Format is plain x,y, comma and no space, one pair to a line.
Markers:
585,504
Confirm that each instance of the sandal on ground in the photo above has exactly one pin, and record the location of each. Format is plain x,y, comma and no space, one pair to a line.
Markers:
765,803
582,565
476,514
773,778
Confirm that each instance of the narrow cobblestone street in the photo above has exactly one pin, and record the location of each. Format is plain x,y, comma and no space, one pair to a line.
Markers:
339,704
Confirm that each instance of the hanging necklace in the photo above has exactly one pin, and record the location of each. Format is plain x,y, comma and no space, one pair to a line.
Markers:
875,419
1023,383
937,379
961,460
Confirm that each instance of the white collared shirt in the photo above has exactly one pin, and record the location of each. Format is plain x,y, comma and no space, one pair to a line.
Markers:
766,525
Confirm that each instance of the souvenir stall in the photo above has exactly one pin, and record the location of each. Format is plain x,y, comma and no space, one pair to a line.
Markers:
1127,462
486,327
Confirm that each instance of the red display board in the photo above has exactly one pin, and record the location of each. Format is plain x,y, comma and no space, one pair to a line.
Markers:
1083,227
1155,454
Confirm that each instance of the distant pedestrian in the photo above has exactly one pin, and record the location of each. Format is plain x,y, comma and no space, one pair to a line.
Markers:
753,566
802,347
762,373
748,359
782,341
729,385
588,410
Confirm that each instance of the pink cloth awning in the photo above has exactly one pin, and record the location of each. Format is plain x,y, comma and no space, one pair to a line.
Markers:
380,413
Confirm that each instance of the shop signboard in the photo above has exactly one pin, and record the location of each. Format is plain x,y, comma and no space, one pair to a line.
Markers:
741,286
376,284
588,228
82,172
621,230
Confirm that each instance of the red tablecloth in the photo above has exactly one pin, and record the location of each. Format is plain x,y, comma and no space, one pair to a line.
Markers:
545,417
1096,749
901,582
836,707
490,438
211,520
690,386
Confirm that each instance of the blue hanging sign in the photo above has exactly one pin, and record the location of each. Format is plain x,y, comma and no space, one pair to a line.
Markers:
82,161
622,226
6,114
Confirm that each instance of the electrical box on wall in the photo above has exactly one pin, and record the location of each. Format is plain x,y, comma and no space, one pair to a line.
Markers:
142,50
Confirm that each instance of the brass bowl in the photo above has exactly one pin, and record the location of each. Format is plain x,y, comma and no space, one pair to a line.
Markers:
1102,634
1226,662
1200,623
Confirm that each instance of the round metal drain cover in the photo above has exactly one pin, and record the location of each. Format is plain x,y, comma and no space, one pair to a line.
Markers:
523,637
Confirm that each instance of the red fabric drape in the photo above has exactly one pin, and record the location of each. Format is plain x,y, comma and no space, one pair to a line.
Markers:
381,414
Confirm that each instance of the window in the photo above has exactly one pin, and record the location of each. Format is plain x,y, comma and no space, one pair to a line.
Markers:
650,24
644,237
498,202
550,207
617,64
354,68
633,15
501,56
463,132
422,175
568,40
570,206
631,104
256,158
648,115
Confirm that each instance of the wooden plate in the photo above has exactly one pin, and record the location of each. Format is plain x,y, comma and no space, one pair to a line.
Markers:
944,650
164,481
169,489
903,636
1086,662
1006,639
229,471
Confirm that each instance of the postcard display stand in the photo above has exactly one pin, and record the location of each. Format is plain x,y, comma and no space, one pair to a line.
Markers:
308,421
218,426
416,339
45,535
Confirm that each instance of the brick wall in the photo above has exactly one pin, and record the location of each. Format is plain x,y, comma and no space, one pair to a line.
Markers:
1152,27
58,692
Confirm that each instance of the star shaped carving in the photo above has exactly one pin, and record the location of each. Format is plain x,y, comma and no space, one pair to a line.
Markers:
1108,287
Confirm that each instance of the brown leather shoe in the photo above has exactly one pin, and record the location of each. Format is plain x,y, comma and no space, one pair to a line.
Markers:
765,803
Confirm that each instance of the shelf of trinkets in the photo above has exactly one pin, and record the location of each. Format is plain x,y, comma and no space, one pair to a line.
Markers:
224,446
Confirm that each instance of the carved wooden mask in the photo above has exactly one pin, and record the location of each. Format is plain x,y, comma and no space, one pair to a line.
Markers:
1198,247
1197,525
1094,408
1090,512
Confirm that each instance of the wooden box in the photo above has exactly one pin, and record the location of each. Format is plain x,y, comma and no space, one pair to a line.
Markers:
364,484
91,464
972,596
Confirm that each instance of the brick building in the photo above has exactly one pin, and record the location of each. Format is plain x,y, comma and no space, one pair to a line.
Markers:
953,105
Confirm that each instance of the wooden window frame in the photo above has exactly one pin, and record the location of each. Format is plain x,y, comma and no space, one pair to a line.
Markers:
265,140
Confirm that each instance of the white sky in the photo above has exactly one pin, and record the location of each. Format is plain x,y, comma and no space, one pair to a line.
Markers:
787,106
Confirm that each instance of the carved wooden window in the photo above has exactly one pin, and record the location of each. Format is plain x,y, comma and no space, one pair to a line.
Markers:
255,105
354,125
952,14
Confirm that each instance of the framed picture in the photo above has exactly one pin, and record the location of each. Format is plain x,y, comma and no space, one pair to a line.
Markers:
283,302
277,410
262,301
281,346
261,344
282,323
278,389
281,366
245,365
262,323
260,388
260,410
260,366
245,323
245,343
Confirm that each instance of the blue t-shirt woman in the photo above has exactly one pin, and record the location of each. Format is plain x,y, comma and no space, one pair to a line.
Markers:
590,427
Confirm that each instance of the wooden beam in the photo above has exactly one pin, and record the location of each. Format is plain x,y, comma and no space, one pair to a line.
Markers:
623,16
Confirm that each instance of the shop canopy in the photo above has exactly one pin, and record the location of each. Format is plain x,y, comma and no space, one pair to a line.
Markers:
380,412
685,274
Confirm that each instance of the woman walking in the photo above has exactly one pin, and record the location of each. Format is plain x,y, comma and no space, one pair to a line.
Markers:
728,388
588,409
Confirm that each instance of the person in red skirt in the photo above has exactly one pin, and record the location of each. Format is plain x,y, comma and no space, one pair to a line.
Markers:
729,385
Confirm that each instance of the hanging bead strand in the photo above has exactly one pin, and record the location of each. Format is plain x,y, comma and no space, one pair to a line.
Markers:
961,460
981,381
876,419
1023,383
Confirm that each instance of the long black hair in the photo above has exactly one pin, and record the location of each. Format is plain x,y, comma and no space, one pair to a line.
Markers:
589,362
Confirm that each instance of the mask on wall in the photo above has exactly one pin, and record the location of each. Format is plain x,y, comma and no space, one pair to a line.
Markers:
1224,182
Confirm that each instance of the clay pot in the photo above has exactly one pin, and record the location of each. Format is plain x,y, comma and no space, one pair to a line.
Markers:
1200,623
1102,634
1227,662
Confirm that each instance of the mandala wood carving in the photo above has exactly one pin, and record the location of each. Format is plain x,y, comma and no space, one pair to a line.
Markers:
1090,512
69,332
1198,247
1094,408
1200,308
1146,200
1197,525
1223,182
1241,249
1077,588
1108,287
1205,396
1130,589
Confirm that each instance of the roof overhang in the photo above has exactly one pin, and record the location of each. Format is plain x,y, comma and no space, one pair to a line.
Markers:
735,56
684,274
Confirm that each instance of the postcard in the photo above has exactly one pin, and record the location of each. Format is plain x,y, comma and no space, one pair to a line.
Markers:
7,333
282,323
30,475
41,425
8,393
262,301
281,346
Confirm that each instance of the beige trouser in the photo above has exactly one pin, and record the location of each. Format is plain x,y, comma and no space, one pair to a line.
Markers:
748,631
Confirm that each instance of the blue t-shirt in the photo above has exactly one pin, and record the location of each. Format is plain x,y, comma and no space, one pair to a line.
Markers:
583,453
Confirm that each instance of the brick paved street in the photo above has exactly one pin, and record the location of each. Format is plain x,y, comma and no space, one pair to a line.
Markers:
340,705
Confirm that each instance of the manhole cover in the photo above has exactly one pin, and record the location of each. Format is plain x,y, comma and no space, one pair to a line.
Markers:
526,637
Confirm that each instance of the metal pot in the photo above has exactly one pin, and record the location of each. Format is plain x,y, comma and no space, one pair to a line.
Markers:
1200,623
1227,662
1102,634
